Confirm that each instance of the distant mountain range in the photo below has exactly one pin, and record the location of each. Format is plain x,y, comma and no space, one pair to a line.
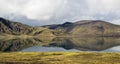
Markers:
79,28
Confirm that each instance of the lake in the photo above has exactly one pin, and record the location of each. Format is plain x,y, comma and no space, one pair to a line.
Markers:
91,44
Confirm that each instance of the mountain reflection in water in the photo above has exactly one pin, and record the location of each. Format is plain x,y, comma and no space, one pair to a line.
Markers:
60,44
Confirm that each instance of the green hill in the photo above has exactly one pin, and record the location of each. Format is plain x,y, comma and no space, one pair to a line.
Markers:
80,28
16,28
86,28
95,28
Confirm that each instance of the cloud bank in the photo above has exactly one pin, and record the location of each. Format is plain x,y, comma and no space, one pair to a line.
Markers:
59,11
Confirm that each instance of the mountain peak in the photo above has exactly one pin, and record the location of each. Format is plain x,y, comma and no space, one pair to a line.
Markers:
66,24
2,19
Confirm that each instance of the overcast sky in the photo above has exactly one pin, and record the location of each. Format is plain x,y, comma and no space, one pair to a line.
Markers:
40,12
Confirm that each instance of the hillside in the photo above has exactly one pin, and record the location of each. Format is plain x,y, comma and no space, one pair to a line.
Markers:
80,28
86,28
96,28
16,28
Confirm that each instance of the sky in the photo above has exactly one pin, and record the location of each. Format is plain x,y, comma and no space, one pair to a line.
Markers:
44,12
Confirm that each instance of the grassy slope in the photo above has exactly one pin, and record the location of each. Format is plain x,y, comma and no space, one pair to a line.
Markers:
10,28
81,28
88,28
96,28
59,58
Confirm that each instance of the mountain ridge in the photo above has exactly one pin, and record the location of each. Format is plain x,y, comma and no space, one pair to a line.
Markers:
87,28
16,28
79,28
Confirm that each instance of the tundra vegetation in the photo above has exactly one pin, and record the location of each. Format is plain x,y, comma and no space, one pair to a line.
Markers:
59,58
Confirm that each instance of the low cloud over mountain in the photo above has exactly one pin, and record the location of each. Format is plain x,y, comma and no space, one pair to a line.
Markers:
59,11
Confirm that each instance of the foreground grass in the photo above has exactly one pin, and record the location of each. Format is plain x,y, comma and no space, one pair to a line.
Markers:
59,58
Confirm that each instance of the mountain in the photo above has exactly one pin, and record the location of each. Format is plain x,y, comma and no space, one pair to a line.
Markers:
86,28
16,28
79,28
96,28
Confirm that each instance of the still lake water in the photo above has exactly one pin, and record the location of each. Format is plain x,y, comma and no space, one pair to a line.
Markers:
92,44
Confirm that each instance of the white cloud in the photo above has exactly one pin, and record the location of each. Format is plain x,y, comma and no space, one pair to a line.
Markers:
57,11
41,9
116,21
33,9
103,6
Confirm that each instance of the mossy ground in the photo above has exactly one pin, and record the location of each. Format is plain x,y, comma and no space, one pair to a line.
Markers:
59,58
